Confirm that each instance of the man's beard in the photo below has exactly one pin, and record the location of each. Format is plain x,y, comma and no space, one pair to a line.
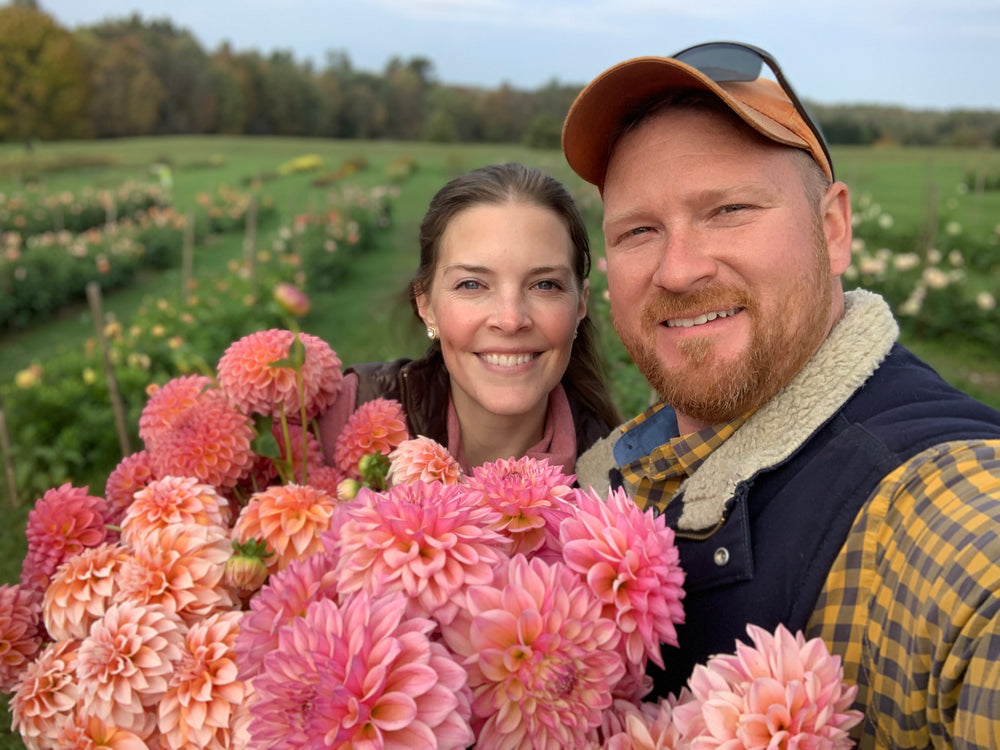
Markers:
718,392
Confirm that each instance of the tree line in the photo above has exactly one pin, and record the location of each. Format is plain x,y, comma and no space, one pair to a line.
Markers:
136,77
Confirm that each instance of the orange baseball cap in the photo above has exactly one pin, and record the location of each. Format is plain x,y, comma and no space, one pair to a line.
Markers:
770,108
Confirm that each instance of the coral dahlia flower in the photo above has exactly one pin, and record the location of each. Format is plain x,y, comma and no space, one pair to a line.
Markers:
124,665
204,690
166,403
81,590
377,426
521,491
629,560
359,675
425,460
289,519
424,539
64,522
284,597
173,501
249,375
46,695
20,635
132,474
84,732
180,568
210,440
783,691
542,659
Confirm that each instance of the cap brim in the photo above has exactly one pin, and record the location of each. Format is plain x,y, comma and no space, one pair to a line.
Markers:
597,114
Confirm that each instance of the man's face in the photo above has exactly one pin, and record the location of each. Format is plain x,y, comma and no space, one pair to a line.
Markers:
721,282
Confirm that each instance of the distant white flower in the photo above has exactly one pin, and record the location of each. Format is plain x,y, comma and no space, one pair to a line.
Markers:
914,302
935,278
885,221
956,258
858,245
986,301
872,266
953,228
905,261
934,256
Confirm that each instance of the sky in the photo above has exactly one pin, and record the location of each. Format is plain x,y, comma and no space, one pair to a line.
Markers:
913,53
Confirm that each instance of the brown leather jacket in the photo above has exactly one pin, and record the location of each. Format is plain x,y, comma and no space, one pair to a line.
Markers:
422,387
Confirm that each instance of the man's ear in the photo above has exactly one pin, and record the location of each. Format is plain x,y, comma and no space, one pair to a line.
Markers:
836,215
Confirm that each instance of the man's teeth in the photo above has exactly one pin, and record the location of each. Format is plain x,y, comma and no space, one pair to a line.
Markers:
688,322
507,360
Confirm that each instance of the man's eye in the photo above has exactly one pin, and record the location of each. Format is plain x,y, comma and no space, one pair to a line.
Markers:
733,208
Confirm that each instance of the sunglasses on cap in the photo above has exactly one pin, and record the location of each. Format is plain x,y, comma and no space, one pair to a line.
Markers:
727,62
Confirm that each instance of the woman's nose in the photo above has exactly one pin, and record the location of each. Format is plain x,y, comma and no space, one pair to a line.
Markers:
510,313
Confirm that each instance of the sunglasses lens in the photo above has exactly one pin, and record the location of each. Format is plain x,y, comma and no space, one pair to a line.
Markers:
723,62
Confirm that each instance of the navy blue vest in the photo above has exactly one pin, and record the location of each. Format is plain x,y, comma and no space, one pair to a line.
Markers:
786,525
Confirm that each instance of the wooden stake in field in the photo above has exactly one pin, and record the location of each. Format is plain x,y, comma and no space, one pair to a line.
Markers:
187,255
250,245
8,461
97,311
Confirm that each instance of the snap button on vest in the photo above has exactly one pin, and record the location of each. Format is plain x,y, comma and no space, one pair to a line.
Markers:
721,556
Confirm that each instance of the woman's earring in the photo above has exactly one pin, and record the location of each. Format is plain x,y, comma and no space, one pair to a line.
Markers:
432,332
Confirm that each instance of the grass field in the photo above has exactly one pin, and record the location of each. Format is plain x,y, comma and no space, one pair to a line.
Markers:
368,318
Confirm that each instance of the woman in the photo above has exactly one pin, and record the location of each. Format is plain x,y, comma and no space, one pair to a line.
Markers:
502,289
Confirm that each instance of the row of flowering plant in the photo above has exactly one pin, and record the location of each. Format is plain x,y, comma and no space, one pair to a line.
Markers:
46,272
37,210
231,589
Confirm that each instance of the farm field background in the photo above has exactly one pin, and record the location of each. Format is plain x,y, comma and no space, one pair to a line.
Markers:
927,219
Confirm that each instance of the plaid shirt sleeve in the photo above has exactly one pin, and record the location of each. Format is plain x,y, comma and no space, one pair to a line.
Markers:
912,604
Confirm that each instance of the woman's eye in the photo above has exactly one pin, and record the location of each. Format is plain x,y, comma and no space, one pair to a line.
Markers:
468,285
547,285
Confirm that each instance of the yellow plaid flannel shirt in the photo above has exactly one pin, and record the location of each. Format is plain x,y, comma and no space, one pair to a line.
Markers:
912,602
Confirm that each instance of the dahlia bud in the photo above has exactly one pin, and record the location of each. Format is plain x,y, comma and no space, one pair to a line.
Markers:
246,570
292,299
348,488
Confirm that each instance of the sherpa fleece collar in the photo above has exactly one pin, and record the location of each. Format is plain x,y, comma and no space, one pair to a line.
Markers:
849,356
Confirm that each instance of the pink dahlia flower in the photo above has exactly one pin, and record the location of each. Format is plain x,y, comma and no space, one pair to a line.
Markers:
63,523
649,726
204,689
20,634
124,665
542,659
783,691
292,299
210,440
426,540
359,675
168,402
46,695
249,375
289,519
286,596
425,460
377,426
629,560
132,474
81,590
180,568
173,501
84,732
521,491
326,479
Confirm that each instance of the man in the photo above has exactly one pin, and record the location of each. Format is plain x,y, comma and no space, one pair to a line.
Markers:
817,474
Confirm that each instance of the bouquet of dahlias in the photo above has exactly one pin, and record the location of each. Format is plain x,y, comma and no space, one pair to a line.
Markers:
231,590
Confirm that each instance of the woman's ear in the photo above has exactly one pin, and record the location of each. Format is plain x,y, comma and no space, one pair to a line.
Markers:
581,312
425,311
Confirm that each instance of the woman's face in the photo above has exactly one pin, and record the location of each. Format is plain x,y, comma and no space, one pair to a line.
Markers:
506,304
